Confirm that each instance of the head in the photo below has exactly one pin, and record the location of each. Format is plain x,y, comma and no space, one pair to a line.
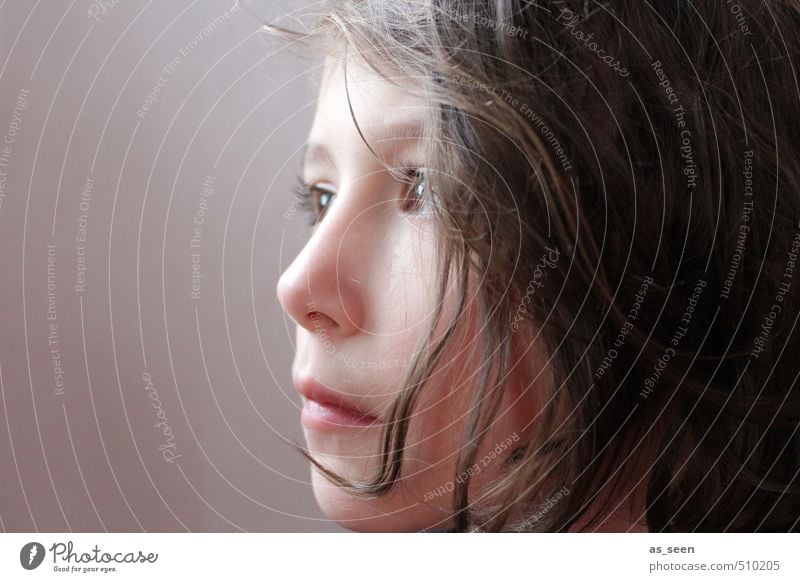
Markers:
525,303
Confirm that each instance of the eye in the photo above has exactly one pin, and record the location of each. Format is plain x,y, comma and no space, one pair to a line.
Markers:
418,199
315,199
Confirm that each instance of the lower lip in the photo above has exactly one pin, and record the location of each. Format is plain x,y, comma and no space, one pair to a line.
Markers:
329,416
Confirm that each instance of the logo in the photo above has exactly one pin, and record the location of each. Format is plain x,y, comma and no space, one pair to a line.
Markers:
31,555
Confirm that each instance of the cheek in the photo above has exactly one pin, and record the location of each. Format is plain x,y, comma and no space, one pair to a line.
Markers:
443,409
448,400
409,280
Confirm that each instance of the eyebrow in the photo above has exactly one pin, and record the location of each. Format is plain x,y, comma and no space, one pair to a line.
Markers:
317,153
403,129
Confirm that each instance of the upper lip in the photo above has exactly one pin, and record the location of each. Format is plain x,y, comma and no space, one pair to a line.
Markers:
313,389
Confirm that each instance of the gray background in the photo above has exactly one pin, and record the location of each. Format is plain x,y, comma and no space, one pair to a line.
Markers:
237,107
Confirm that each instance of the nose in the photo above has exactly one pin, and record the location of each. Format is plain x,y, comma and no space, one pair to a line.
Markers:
323,290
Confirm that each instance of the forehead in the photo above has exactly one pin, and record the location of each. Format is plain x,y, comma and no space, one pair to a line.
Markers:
382,108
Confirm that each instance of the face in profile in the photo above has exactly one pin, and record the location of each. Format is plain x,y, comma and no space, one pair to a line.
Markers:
362,293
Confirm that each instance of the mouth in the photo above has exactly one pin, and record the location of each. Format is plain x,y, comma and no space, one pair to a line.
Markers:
328,409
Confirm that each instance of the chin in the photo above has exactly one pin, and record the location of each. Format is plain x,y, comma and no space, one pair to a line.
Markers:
393,512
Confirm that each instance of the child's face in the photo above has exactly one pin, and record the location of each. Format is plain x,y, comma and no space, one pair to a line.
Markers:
362,291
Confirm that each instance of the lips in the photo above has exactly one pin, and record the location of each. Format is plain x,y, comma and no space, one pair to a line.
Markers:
328,409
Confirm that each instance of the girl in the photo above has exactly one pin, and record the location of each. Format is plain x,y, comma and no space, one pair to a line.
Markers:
550,283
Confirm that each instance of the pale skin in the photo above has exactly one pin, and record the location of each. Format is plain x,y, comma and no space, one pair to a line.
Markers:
362,291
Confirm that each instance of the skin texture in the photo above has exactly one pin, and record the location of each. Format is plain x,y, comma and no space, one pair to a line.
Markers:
362,293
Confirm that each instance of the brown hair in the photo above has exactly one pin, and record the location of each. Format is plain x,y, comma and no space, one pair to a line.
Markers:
655,146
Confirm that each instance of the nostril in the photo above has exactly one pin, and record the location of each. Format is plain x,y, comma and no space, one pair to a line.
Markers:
319,320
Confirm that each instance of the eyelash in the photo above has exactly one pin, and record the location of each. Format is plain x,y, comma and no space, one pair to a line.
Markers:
304,193
309,196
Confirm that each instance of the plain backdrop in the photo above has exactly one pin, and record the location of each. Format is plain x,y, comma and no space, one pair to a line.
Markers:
150,152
